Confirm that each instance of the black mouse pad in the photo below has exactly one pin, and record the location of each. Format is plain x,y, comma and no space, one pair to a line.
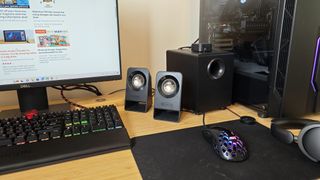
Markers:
184,154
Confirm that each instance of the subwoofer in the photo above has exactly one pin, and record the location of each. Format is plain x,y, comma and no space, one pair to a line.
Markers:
138,90
168,89
207,78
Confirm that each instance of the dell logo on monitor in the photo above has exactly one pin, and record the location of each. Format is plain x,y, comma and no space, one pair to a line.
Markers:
24,86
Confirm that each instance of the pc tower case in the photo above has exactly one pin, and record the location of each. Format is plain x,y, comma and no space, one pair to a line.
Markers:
294,80
276,46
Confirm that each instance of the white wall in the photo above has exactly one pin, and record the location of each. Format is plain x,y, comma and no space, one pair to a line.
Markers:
147,29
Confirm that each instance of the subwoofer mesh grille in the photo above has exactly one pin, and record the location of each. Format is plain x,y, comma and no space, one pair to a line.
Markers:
285,45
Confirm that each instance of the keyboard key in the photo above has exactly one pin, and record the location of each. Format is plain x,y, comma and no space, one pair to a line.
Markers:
110,125
67,132
68,122
12,136
76,130
32,138
47,131
5,142
3,136
56,134
85,129
76,121
84,122
19,140
44,136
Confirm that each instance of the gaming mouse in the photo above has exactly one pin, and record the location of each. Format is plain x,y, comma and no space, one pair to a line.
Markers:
226,143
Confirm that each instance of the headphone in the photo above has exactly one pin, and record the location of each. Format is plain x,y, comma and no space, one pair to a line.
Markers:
308,139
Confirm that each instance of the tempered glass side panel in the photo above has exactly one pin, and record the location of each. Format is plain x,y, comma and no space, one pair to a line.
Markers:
245,27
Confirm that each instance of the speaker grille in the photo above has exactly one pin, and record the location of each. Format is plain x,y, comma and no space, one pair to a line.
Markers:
285,45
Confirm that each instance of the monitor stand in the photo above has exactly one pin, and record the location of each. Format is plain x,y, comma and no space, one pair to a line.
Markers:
33,99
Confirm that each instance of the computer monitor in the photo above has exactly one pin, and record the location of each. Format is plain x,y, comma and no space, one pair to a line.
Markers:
48,43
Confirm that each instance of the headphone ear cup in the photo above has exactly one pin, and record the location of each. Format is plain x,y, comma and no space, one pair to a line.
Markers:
282,135
309,142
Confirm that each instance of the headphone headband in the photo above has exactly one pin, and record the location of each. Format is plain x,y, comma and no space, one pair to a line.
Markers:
307,139
291,123
279,128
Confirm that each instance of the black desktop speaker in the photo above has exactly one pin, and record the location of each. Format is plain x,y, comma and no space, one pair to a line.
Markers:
138,90
167,102
207,78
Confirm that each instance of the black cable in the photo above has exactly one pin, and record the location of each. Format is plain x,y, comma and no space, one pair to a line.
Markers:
98,93
84,87
204,120
196,41
75,88
119,90
185,47
233,112
116,91
70,102
203,116
188,47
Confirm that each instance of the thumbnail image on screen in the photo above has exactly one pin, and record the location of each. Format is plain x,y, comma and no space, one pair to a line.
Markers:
53,41
52,38
14,4
17,36
47,3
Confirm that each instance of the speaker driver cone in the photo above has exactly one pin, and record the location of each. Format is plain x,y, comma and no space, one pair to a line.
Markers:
168,86
137,81
216,69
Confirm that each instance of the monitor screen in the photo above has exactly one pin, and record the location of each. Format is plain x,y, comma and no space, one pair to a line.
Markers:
57,42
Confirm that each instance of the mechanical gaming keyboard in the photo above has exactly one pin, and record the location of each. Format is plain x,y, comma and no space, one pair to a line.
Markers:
48,138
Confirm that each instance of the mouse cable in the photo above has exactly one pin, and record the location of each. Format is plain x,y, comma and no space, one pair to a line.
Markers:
233,112
203,116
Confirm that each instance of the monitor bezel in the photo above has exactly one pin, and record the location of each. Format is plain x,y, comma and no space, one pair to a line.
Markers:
72,81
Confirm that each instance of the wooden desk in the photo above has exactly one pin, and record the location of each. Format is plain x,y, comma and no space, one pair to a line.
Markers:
121,165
